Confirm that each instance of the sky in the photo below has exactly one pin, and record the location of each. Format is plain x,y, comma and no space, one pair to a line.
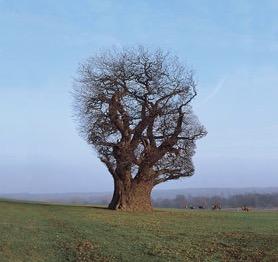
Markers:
232,46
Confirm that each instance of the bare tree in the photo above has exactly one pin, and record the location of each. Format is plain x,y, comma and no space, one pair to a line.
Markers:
133,107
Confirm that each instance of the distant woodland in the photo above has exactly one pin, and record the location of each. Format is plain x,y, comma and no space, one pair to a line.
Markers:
252,200
172,199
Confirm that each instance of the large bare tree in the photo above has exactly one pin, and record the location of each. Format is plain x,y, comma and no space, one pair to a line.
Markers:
133,107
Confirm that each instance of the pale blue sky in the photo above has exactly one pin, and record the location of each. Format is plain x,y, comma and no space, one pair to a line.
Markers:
232,45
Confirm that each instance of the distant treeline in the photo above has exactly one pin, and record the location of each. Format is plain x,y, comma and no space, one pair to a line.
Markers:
252,200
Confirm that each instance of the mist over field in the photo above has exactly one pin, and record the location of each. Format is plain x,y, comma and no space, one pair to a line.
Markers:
163,198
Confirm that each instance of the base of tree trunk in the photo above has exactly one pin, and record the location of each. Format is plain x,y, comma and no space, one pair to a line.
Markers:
131,207
135,198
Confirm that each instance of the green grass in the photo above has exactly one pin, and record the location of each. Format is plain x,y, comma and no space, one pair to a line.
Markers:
34,232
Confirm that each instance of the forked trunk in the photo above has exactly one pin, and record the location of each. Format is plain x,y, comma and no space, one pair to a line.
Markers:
132,197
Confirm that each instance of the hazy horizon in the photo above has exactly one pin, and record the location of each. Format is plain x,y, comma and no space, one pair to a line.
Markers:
155,189
231,45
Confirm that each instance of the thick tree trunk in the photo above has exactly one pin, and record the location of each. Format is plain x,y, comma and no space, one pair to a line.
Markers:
135,196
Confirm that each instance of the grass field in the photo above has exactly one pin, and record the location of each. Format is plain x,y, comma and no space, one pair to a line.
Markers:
34,232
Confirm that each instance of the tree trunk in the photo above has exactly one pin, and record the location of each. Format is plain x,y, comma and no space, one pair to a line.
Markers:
132,197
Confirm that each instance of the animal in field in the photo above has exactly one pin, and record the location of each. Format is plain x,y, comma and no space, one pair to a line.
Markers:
245,208
201,207
216,207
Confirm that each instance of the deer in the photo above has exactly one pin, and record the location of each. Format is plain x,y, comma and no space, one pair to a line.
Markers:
245,208
216,207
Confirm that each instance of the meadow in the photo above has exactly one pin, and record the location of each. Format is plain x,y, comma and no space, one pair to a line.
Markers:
45,232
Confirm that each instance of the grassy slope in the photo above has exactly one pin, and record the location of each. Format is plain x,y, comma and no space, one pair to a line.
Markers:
33,232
